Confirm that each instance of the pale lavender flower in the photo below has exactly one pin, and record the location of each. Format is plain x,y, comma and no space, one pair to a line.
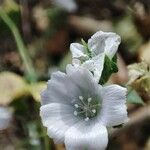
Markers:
93,54
76,110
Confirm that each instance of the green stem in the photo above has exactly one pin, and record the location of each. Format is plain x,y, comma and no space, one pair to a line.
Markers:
46,143
46,139
20,45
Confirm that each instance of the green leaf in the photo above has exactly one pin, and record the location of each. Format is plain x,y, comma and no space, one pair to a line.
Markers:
133,97
87,50
84,43
35,89
110,66
114,59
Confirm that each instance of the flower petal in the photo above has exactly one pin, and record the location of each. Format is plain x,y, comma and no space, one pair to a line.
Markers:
95,65
83,79
70,69
77,50
114,110
57,118
104,42
76,62
57,91
89,136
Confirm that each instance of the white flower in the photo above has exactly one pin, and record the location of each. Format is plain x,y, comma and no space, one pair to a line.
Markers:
5,117
92,55
68,5
76,110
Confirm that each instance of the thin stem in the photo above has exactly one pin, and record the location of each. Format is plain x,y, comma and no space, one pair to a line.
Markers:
46,143
46,139
20,45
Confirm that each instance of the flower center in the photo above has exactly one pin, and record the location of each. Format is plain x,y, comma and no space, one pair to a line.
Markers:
86,108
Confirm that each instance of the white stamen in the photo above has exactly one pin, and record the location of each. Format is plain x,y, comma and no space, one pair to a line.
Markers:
89,99
97,105
86,119
76,106
94,111
81,97
75,113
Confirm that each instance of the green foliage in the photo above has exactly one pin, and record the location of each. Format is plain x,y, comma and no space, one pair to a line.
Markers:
110,66
35,89
133,97
12,9
87,50
22,49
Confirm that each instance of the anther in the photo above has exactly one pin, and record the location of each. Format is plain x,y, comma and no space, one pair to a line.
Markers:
94,111
75,113
86,119
76,106
89,99
81,97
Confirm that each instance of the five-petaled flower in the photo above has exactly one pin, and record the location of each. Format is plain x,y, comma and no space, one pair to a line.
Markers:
91,55
76,110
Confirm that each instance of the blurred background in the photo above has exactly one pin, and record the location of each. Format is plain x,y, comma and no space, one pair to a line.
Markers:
34,42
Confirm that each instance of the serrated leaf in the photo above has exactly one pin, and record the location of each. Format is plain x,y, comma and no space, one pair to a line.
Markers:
110,66
12,86
133,97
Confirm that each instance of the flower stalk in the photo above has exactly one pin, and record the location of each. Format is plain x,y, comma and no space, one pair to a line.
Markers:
30,72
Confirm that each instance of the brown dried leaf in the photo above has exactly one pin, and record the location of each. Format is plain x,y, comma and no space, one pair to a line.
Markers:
11,86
